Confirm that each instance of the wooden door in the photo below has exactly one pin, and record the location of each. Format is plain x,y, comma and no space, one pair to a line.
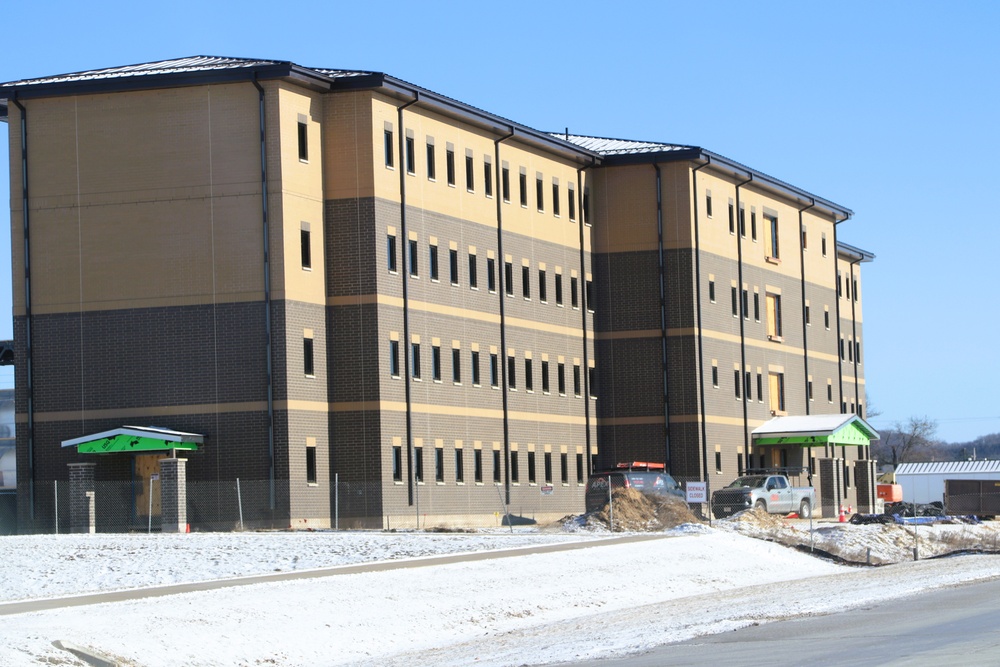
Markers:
147,467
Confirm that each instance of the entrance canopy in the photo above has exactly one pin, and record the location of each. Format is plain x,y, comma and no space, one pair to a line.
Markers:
815,431
135,439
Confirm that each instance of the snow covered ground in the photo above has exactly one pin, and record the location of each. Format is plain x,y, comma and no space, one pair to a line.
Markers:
604,599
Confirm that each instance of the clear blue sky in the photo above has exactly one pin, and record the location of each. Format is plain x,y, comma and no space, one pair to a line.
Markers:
888,108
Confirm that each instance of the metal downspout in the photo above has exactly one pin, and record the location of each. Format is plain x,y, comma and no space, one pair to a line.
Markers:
27,305
701,353
267,295
740,229
805,337
663,315
586,357
404,276
501,293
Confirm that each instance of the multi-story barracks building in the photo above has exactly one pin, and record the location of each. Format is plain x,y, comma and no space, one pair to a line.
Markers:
375,305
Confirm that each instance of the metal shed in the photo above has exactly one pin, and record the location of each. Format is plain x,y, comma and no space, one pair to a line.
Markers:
924,482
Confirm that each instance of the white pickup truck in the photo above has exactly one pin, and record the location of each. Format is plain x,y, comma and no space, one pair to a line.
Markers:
771,493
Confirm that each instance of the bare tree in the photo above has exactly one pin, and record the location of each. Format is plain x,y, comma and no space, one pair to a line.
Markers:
907,441
871,411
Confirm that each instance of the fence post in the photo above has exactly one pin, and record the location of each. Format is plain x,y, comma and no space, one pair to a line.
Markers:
336,501
55,493
149,525
239,501
611,507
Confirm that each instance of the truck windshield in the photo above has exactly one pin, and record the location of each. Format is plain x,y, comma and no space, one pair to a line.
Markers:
747,482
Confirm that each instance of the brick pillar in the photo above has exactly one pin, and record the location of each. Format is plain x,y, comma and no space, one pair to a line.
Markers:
173,495
82,514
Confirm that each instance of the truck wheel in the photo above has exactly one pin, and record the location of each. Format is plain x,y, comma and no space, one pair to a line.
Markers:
761,505
805,510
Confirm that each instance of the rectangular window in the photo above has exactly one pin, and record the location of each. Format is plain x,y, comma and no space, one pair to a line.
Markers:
736,306
529,380
449,164
532,476
456,366
746,304
303,142
826,319
807,315
497,470
586,206
756,306
413,259
526,282
434,262
829,391
491,275
592,382
708,204
555,199
542,295
505,184
305,243
711,291
771,223
576,381
571,203
855,292
494,371
774,316
415,360
737,381
391,252
508,278
488,179
748,385
522,183
715,376
559,298
732,222
307,357
310,465
511,373
411,158
760,387
561,378
477,466
547,458
540,194
718,461
588,294
579,468
436,363
394,358
473,278
397,463
753,224
857,351
564,465
431,167
545,376
475,368
823,244
388,149
453,266
805,238
573,299
459,467
439,464
470,179
515,469
840,285
809,389
743,222
418,464
777,394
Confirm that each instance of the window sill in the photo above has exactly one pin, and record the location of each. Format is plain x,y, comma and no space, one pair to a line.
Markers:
772,260
312,483
311,377
775,339
307,268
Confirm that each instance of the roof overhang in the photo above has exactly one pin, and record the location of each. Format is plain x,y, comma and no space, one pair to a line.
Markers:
854,254
815,431
135,439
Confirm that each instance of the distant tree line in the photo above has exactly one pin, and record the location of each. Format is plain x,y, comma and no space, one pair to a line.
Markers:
915,441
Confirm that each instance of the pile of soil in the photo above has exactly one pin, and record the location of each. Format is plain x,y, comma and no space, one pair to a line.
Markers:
755,518
634,511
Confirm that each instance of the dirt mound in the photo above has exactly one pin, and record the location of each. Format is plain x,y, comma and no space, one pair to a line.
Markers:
755,517
633,511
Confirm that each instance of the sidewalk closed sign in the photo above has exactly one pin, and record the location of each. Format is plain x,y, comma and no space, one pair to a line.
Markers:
697,492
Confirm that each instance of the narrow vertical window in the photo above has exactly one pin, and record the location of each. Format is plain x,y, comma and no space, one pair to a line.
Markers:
745,304
753,224
715,376
449,165
303,142
737,381
523,186
456,366
532,475
542,287
515,469
508,278
526,282
459,467
561,378
576,381
774,316
494,371
308,366
470,178
579,468
732,222
473,277
760,387
586,206
571,203
505,184
415,360
433,262
411,158
305,243
431,167
497,470
453,266
545,377
826,318
823,244
439,464
491,275
488,179
711,291
736,307
529,379
397,463
708,203
592,382
807,315
388,149
436,363
391,252
573,299
511,372
809,389
772,240
589,294
394,358
756,306
477,466
311,464
743,222
414,266
564,466
559,296
418,464
540,194
555,199
475,368
805,238
748,385
547,457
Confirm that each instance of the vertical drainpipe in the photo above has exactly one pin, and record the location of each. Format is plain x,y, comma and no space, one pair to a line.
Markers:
802,269
267,294
701,353
404,244
27,306
663,314
740,228
502,294
586,357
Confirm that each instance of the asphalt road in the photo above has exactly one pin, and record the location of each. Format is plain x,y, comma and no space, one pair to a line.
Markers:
953,626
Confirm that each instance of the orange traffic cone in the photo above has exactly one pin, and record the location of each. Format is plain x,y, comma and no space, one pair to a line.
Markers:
843,517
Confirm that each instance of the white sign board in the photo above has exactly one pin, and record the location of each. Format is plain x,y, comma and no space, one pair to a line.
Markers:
697,492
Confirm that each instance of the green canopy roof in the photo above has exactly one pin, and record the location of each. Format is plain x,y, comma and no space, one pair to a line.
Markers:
815,431
135,439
